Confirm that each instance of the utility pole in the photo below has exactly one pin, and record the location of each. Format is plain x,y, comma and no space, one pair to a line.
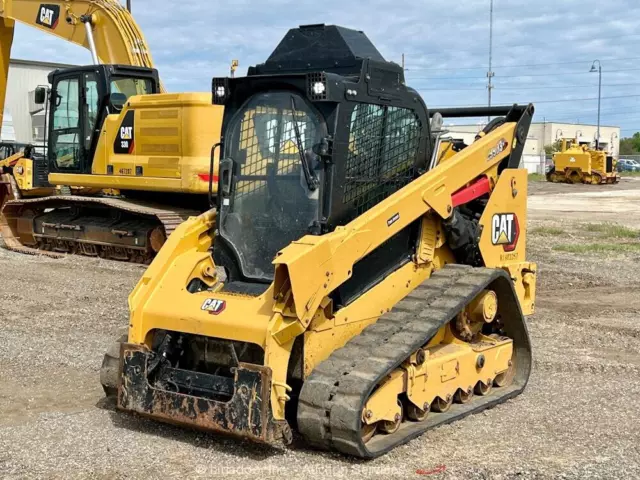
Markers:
490,73
599,70
403,62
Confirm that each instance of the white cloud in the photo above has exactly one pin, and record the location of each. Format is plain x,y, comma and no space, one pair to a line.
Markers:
192,41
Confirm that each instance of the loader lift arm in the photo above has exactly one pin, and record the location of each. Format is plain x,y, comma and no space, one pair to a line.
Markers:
117,37
311,282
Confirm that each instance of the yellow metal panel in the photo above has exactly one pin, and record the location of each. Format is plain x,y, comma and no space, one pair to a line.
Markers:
121,182
504,221
174,135
6,40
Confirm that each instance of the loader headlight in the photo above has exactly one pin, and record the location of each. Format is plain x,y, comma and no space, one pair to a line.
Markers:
220,90
20,170
319,88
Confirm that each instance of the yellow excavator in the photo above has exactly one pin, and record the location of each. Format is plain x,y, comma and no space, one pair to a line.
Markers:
375,273
125,163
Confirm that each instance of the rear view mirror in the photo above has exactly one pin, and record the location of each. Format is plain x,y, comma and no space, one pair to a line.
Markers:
118,100
40,95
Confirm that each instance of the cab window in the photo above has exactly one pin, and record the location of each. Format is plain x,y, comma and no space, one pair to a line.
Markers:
131,86
66,124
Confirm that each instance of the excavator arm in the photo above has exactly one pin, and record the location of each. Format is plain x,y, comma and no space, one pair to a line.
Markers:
114,33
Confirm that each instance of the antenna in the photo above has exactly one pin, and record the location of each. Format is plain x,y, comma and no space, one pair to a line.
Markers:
490,73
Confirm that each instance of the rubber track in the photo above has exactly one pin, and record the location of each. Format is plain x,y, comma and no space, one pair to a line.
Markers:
169,218
333,396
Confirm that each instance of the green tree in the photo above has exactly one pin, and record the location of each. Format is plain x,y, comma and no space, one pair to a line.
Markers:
630,145
553,148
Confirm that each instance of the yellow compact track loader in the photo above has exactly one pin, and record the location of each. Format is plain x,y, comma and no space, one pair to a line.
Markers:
375,284
576,163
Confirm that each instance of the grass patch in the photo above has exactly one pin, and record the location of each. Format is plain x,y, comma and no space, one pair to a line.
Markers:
548,231
599,248
629,174
537,177
612,230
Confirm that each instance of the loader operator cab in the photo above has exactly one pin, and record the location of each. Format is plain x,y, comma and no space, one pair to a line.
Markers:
78,102
322,131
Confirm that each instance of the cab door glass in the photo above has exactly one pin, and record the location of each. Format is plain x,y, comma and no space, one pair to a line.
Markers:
92,104
65,138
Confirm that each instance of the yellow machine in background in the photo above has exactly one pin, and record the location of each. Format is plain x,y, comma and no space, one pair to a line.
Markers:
375,286
125,162
576,163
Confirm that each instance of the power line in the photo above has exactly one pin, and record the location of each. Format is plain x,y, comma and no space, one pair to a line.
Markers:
548,74
523,87
560,43
547,101
619,59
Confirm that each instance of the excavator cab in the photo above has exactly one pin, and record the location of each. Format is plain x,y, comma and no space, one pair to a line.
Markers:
79,101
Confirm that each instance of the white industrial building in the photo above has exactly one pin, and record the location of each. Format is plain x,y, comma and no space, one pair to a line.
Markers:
542,134
23,120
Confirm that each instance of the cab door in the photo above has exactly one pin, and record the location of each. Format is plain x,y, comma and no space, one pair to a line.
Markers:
74,112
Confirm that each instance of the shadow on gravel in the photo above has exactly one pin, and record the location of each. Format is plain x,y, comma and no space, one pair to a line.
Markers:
207,440
219,442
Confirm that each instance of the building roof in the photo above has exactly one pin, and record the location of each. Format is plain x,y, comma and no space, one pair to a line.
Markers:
33,63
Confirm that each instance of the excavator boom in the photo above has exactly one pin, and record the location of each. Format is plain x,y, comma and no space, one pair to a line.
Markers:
114,33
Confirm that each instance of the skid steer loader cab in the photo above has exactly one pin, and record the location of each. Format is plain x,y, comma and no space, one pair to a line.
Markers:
312,142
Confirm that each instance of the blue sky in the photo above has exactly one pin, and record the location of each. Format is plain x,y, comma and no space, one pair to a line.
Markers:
543,50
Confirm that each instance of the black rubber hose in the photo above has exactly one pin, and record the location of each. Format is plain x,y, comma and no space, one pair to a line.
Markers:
492,125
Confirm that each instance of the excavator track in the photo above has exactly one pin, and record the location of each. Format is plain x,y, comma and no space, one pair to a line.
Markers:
332,398
111,228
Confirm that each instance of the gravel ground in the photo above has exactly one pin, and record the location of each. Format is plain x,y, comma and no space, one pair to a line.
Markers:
578,418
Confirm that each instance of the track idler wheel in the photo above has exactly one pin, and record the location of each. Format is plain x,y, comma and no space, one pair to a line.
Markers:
157,238
442,405
463,397
417,414
392,427
483,388
506,378
367,431
596,179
